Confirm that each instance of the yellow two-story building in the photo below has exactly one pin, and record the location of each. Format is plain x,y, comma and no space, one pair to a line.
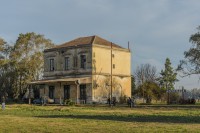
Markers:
85,70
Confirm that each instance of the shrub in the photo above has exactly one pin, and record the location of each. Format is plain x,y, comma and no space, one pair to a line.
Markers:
187,101
123,99
174,97
69,102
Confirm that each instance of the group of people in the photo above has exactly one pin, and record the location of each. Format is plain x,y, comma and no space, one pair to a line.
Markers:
113,102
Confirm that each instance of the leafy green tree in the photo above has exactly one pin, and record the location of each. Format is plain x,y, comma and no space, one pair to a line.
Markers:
4,68
191,64
27,60
133,86
21,63
2,45
168,77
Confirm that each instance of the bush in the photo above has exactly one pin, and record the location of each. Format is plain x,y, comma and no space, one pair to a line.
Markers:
173,98
123,99
69,102
187,101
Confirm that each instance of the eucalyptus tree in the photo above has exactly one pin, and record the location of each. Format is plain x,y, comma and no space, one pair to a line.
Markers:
27,60
4,68
2,64
2,45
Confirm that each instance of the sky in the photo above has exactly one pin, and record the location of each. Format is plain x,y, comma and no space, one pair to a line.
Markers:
155,29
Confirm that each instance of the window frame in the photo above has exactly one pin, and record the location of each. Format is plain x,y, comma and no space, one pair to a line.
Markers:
83,92
51,92
51,64
67,63
83,61
66,92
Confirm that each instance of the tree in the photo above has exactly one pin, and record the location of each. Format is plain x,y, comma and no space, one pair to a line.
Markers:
4,68
145,72
168,77
2,48
145,76
133,86
21,63
151,91
191,64
27,60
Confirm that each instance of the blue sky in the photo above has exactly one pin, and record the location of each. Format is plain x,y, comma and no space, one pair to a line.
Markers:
156,29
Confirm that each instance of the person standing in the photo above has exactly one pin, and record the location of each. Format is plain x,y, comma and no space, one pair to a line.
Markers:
130,102
3,103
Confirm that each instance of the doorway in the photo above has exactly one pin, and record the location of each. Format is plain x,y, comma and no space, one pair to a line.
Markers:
83,93
51,92
66,92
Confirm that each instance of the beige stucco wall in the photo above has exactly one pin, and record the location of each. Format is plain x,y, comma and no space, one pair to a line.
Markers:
59,62
101,60
120,87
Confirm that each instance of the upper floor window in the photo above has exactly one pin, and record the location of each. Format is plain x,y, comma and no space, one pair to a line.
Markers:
75,61
113,66
51,65
66,63
83,61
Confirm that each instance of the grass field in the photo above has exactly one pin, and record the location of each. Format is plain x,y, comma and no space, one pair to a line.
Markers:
101,119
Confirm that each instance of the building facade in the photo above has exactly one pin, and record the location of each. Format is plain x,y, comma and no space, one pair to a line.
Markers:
85,70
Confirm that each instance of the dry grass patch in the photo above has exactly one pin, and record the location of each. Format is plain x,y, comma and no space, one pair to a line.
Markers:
30,118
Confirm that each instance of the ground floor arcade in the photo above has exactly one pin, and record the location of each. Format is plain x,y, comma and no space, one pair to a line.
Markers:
84,90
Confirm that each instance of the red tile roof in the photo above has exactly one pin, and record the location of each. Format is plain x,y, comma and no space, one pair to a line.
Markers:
88,40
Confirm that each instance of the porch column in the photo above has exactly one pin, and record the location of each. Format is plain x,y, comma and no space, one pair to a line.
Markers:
44,96
44,91
77,93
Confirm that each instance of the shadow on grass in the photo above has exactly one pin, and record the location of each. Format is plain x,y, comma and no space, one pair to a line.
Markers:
170,106
131,118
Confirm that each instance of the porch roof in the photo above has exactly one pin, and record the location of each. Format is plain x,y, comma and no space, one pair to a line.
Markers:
79,80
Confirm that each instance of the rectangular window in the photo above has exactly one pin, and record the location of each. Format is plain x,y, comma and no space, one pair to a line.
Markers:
51,65
51,92
83,61
66,63
75,62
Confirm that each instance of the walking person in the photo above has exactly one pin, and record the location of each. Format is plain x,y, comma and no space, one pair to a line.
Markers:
130,102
